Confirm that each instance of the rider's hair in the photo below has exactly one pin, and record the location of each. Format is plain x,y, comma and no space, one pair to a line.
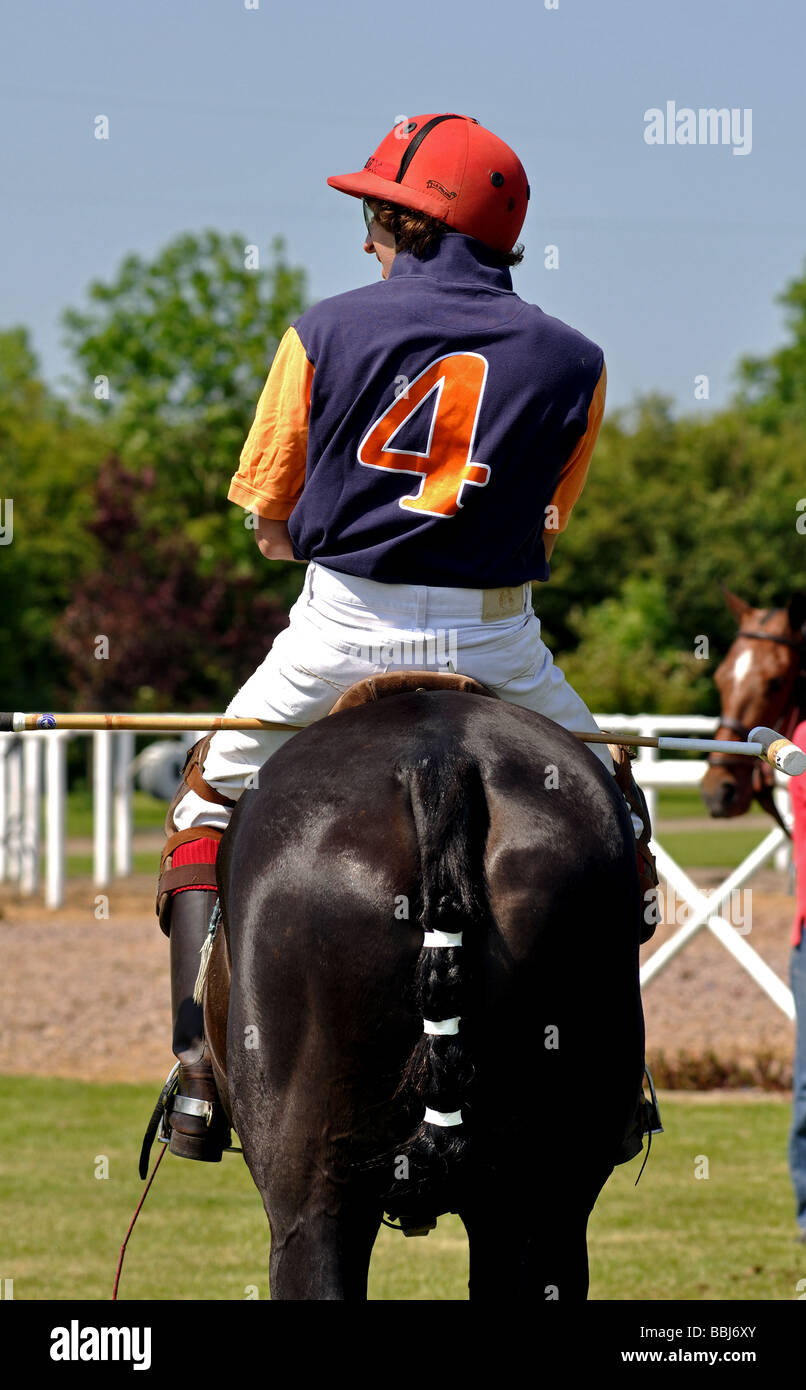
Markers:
418,233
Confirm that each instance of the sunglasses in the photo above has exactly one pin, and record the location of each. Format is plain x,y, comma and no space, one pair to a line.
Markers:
369,215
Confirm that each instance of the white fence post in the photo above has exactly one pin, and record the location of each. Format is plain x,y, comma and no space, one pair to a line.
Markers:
56,783
102,806
31,799
14,810
6,741
122,813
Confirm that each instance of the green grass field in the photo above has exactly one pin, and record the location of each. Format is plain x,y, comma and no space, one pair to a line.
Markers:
202,1233
147,812
723,845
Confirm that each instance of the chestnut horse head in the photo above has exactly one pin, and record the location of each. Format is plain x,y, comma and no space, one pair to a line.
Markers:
761,681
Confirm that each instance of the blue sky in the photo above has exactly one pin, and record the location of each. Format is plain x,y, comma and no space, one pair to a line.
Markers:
232,117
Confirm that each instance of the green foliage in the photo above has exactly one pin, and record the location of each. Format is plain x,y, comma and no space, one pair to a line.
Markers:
142,630
627,655
185,344
672,510
48,457
706,1071
773,389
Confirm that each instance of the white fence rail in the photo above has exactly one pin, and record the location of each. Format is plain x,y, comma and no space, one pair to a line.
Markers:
24,782
33,766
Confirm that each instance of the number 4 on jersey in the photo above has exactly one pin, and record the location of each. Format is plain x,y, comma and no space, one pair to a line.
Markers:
458,380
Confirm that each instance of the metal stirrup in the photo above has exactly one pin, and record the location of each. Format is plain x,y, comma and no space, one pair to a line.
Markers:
186,1106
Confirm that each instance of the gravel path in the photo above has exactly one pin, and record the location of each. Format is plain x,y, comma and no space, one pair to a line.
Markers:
82,996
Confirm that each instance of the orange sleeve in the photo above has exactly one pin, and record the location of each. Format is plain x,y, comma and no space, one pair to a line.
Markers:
575,471
271,475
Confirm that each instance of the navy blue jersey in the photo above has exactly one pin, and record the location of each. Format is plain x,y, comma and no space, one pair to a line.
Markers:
426,429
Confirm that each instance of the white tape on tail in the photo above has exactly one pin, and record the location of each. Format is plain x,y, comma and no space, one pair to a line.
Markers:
442,1117
442,938
441,1025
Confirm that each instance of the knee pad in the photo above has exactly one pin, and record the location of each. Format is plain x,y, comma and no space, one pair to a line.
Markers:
188,859
188,862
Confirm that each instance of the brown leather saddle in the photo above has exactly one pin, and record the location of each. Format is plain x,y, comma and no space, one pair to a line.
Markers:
403,682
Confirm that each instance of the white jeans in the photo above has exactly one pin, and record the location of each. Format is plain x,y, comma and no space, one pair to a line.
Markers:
343,629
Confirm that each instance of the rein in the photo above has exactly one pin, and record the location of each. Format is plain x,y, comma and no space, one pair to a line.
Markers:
121,1257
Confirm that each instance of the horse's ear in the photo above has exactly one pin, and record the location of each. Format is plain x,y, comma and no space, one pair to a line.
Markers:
737,605
797,612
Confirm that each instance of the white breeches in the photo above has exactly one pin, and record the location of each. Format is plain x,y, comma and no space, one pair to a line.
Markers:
343,629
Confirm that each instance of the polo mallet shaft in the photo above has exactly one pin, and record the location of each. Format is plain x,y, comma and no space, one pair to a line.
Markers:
140,723
764,743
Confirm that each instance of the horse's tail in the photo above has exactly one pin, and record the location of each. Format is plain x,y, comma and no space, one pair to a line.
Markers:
449,807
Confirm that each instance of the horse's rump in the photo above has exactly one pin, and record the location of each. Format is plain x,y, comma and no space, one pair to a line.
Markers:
429,811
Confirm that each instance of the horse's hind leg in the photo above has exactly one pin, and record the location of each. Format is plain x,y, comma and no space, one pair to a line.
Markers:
534,1249
323,1254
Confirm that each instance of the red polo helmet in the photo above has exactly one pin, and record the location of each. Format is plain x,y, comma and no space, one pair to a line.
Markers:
450,167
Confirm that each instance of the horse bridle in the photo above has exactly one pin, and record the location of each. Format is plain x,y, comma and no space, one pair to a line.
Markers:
763,793
743,730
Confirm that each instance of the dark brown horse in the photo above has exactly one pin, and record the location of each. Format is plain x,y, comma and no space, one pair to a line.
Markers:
762,680
371,830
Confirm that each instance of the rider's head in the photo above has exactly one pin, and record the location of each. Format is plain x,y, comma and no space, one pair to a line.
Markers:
440,172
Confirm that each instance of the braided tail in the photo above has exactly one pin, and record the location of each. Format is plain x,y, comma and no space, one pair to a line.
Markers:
449,808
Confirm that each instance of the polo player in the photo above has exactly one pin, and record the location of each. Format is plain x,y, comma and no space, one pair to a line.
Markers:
419,445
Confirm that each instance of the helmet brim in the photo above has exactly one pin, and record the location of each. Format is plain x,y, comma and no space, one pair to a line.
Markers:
364,184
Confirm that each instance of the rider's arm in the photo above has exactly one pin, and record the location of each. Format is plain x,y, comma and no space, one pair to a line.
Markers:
549,539
273,540
271,475
575,471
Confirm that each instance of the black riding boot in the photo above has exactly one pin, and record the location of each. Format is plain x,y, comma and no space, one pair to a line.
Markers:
199,1126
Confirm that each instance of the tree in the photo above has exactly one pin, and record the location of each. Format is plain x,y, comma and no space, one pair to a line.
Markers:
48,460
182,347
173,355
628,660
141,631
773,389
672,510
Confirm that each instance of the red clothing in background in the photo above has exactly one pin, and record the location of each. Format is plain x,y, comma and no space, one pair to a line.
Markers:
797,791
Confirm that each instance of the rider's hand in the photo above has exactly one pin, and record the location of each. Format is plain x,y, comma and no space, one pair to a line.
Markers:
273,540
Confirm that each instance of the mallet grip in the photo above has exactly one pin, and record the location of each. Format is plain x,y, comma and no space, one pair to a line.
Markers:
779,752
